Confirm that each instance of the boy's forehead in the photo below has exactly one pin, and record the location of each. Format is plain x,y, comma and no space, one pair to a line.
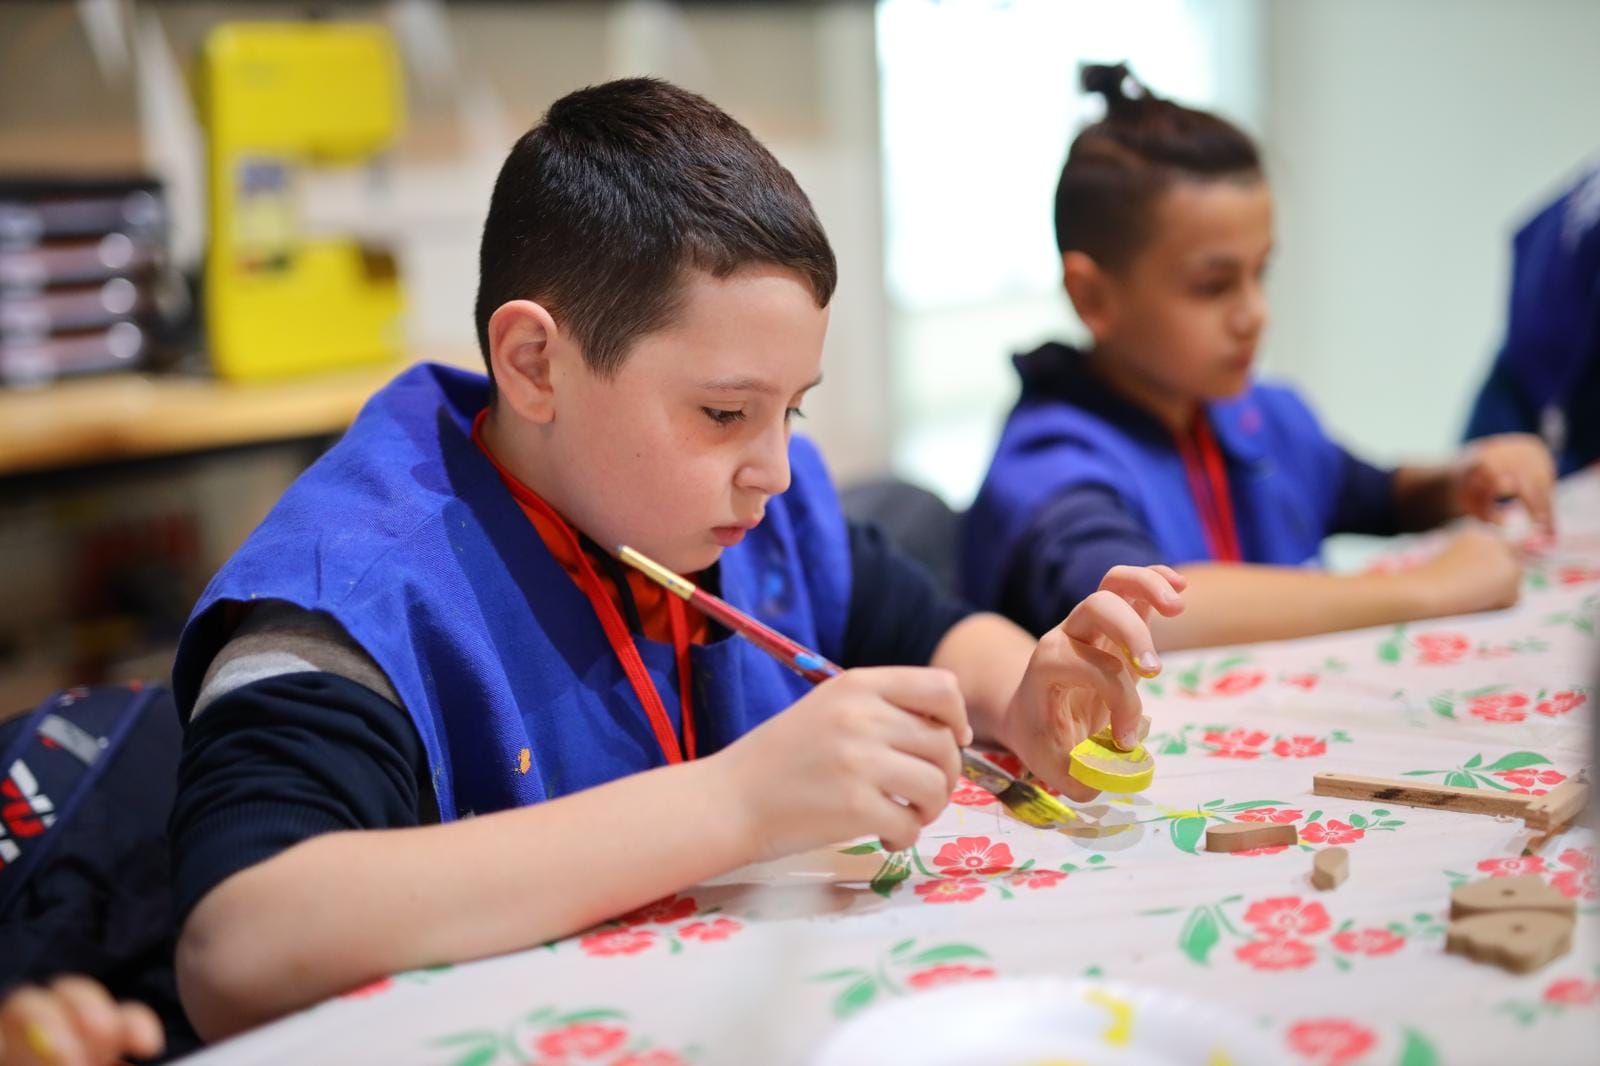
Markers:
1200,220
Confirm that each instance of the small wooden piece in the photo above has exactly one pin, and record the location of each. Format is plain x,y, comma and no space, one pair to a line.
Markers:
1519,941
1099,763
1563,803
1329,868
1410,794
1239,836
1527,892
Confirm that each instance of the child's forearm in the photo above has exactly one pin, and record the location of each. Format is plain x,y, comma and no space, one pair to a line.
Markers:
342,909
1243,604
988,654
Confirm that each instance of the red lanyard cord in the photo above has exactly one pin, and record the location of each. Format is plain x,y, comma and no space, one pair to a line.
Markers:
1208,485
616,630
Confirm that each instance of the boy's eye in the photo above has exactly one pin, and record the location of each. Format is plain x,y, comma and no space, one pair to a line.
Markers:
793,413
721,417
1214,287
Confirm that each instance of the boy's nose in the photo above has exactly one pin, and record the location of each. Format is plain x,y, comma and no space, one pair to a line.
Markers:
766,468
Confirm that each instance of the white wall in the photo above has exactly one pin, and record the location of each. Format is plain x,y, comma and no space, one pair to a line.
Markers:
1406,140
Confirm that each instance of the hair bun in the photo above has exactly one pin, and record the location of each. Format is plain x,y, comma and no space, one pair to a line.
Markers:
1111,80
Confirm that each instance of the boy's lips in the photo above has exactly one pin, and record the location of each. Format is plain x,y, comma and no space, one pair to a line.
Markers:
728,536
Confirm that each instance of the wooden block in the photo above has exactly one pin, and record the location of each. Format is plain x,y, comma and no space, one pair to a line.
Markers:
1519,941
1109,770
1526,892
1242,836
1407,793
1550,812
1330,867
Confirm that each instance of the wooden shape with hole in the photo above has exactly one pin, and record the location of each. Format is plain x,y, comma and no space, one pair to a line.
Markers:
1525,892
1519,941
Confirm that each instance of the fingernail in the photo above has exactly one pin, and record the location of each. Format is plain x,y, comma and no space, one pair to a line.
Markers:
39,1042
1149,663
1127,741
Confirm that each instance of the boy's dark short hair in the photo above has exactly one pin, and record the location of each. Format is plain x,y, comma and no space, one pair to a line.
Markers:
600,208
1118,167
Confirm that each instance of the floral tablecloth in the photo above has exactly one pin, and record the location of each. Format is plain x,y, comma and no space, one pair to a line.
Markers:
758,968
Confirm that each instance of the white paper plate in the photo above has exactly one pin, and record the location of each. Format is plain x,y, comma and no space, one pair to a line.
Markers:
1047,1021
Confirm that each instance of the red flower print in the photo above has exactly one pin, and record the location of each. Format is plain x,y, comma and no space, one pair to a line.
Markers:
1275,815
1299,747
657,1057
1038,878
1236,743
1512,866
1501,707
969,795
1286,916
1334,832
973,855
1237,682
1576,884
1529,780
1439,649
1577,858
382,984
1305,681
586,1039
1270,849
663,911
1008,762
953,890
1560,703
1573,992
719,929
618,941
1577,575
948,974
1331,1041
1368,942
1277,954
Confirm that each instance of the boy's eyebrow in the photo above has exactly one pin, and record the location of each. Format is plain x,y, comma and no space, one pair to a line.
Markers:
751,384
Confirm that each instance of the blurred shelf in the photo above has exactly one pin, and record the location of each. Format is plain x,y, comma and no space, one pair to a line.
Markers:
93,421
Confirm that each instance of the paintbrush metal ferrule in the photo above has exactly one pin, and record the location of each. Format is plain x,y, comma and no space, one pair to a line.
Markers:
656,572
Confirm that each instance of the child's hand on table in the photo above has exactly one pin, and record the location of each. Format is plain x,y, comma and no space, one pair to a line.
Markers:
1084,673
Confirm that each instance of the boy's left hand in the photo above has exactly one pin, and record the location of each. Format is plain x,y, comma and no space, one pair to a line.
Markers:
1506,466
1083,673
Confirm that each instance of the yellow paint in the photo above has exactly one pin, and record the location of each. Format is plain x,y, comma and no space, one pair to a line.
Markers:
1102,766
38,1042
1120,1034
1219,1058
524,760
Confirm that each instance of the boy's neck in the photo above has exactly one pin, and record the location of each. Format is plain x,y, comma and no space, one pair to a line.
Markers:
524,463
1175,411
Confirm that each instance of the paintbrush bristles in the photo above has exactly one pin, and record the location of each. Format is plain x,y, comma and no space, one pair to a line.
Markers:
656,572
1035,806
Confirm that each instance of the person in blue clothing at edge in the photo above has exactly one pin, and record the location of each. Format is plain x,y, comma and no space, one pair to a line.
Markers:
430,623
1154,445
1546,378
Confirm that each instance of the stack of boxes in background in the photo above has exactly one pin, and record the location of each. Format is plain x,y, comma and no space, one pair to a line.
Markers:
84,282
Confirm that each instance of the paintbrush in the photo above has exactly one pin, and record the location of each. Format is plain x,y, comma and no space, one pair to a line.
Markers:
1029,802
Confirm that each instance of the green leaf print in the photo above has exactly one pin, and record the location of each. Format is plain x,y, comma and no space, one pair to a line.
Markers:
1393,646
856,996
861,849
945,952
895,869
1417,1051
1186,832
1457,779
1517,760
1473,763
1200,935
480,1056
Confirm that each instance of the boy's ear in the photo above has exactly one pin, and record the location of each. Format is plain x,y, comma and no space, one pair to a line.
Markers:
1091,292
521,338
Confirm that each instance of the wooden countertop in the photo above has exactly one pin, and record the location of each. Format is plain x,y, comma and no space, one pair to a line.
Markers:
136,416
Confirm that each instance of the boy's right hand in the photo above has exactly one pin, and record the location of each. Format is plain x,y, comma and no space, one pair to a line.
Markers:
831,766
1477,571
74,1022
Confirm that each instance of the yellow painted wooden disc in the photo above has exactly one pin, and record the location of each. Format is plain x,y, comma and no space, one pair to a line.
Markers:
1098,764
